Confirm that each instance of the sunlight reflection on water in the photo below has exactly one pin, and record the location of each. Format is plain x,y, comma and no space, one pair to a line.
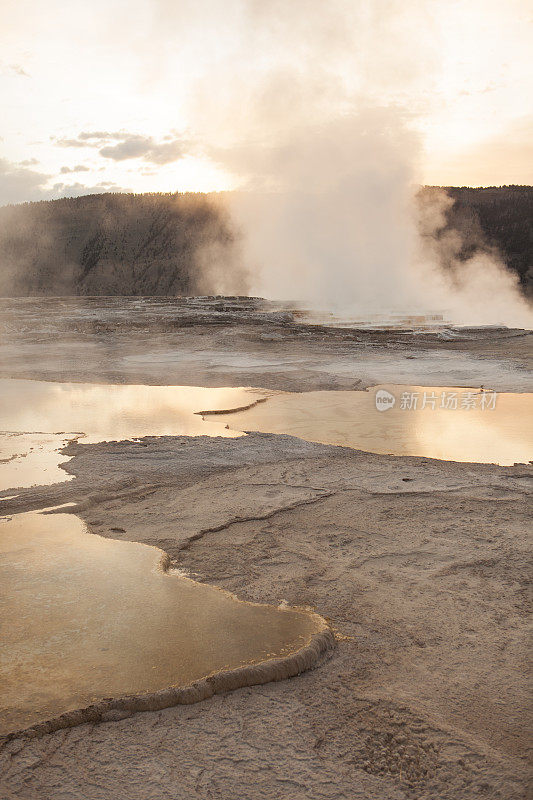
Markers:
471,431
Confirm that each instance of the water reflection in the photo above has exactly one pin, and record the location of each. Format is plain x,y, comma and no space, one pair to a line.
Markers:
37,418
502,434
87,618
28,459
49,414
106,412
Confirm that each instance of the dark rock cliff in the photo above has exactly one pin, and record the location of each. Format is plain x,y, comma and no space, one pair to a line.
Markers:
119,244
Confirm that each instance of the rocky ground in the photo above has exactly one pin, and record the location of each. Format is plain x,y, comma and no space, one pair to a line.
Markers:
245,342
420,565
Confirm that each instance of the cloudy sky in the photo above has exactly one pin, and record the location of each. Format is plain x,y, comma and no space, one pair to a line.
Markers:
166,95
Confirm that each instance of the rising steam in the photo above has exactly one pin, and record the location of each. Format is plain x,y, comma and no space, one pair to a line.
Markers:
346,231
329,167
479,290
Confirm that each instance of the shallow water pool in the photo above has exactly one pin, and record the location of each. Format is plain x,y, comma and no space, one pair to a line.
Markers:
444,422
87,618
37,418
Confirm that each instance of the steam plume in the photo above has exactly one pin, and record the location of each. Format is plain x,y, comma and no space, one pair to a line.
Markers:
330,168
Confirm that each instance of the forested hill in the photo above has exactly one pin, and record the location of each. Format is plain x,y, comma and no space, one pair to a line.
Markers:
172,244
119,244
500,217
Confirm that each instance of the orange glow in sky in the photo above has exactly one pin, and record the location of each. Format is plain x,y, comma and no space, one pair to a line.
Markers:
168,86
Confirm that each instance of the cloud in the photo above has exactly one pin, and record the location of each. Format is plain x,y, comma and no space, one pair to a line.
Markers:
14,69
167,152
131,146
69,142
89,139
77,189
145,147
19,184
77,168
88,135
121,146
18,70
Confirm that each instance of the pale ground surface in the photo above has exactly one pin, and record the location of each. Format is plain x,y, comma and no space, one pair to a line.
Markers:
424,579
246,342
421,566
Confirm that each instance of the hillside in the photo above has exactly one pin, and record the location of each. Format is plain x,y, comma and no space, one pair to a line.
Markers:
118,244
495,217
184,244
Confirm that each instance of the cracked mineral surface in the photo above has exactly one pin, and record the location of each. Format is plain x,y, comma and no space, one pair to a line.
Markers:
419,565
